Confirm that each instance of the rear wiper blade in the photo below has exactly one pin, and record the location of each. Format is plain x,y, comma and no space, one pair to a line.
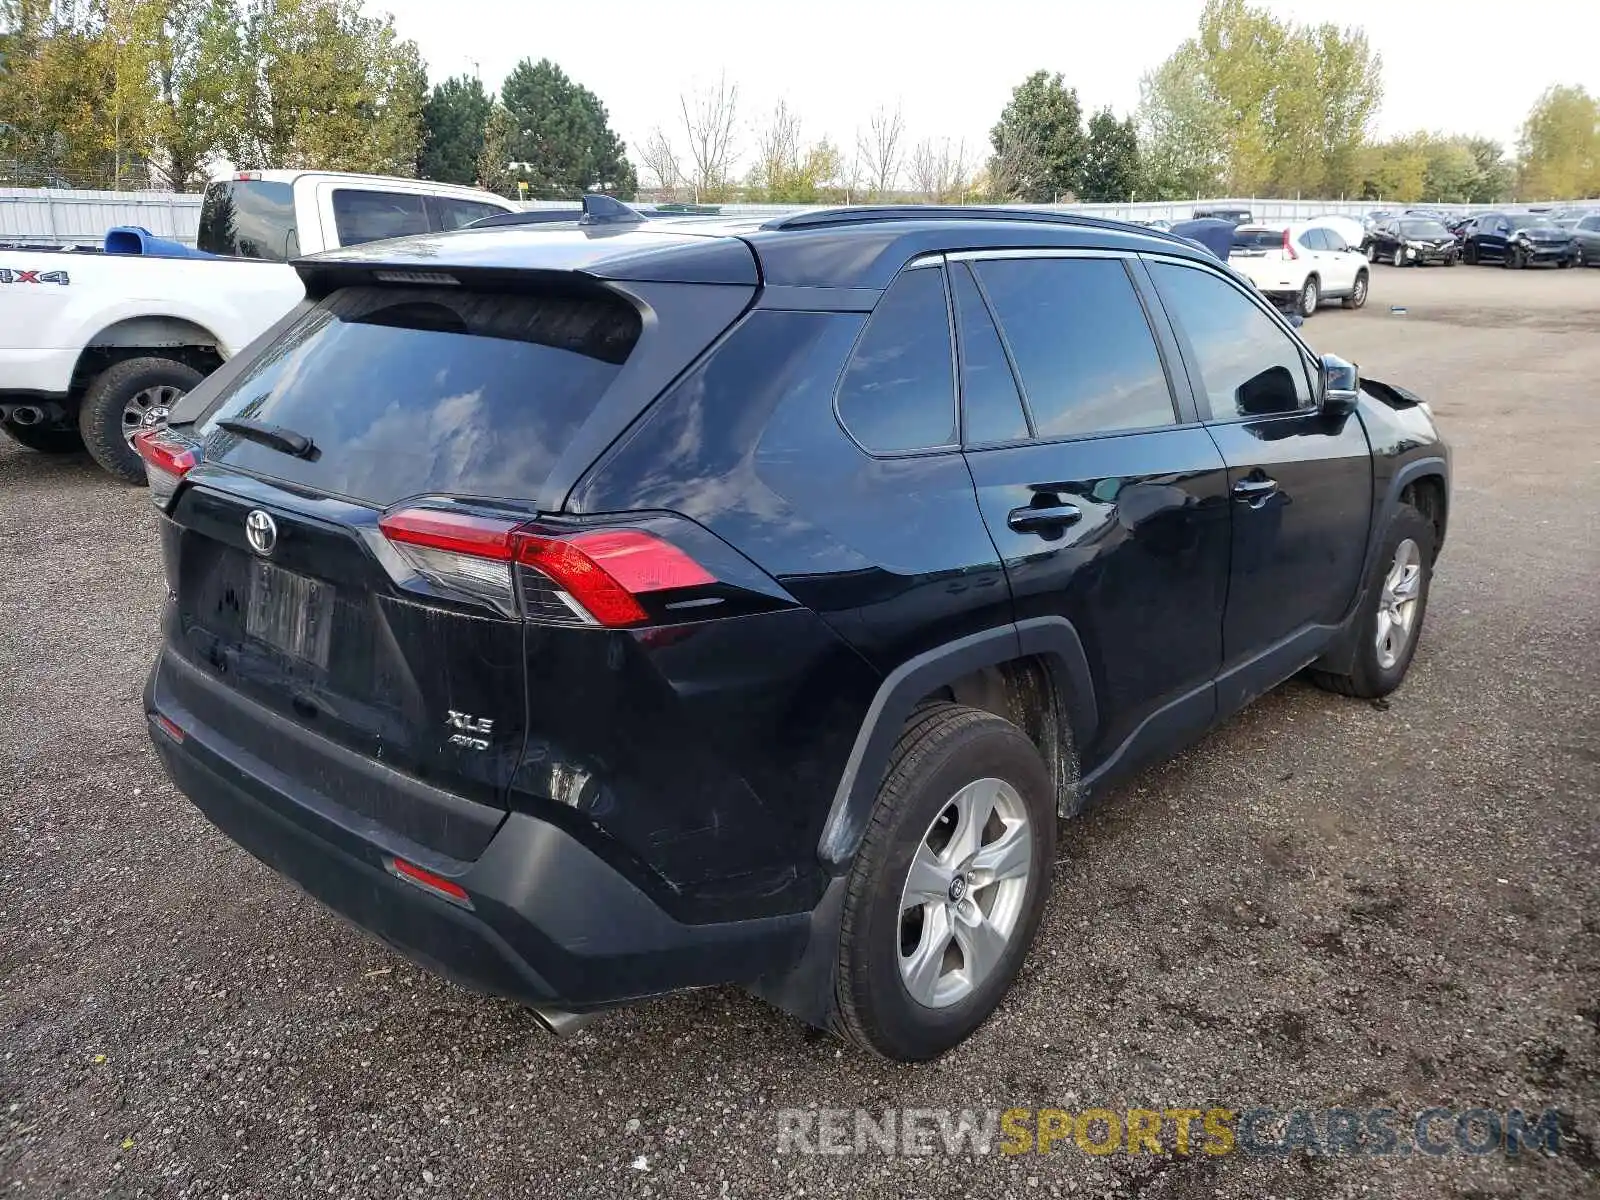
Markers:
275,436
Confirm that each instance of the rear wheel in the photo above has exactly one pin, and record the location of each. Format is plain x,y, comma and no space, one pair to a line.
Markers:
1310,296
1358,291
948,886
128,396
44,440
1396,601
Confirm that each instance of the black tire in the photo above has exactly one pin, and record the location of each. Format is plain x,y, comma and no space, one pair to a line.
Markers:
1358,295
1372,252
1564,263
1512,261
944,747
1310,296
1399,259
45,440
1470,254
100,418
1368,677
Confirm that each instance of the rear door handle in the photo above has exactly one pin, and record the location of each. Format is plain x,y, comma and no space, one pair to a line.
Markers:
1255,492
1041,520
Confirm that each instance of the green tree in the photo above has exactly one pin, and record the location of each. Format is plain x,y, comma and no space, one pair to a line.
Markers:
1560,146
1182,131
188,49
562,137
1350,83
1039,142
1495,177
494,159
1111,158
454,120
321,85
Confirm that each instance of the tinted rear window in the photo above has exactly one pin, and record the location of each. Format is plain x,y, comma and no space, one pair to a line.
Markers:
1258,239
364,216
249,219
408,391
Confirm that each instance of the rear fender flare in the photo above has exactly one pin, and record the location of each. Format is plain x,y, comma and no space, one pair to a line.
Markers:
1052,640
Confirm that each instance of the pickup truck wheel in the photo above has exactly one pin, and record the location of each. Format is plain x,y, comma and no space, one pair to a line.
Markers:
121,400
1396,600
948,887
45,441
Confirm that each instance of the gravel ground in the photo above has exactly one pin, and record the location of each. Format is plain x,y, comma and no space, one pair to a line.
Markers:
1327,902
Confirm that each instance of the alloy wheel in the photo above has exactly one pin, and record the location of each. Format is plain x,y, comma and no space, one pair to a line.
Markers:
149,409
964,892
1397,604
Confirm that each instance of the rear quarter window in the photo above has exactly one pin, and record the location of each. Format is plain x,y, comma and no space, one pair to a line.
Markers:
248,218
408,391
899,392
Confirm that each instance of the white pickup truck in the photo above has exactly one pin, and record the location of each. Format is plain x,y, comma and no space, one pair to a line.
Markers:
94,345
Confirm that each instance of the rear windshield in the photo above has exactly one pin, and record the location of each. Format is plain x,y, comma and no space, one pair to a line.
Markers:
1258,239
406,391
249,218
1532,223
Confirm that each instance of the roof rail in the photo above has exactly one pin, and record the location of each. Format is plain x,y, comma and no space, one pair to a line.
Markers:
865,213
530,216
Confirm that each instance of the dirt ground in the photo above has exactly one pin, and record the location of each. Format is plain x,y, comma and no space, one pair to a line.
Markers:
1326,903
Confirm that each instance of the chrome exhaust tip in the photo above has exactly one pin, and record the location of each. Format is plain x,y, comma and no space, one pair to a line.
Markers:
560,1022
27,414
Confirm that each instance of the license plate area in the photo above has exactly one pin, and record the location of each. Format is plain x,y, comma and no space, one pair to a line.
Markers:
291,613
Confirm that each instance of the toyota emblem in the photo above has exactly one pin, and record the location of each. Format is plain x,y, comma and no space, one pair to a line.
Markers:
261,531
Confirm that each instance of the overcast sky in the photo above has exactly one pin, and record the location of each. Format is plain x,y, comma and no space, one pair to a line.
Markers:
952,65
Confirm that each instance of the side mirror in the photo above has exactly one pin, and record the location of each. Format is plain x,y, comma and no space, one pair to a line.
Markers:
1340,386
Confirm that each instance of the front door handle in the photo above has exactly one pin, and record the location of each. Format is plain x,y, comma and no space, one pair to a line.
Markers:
1255,492
1043,519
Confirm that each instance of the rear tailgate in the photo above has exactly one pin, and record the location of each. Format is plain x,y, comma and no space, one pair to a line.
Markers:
390,694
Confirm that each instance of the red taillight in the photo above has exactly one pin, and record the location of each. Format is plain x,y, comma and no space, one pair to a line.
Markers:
604,571
169,727
1288,245
166,461
451,532
601,571
428,881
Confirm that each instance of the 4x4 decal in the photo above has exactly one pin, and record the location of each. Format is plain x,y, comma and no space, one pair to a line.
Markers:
9,276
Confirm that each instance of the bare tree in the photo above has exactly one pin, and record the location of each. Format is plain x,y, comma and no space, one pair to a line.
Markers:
1011,163
777,153
708,122
881,150
660,159
939,171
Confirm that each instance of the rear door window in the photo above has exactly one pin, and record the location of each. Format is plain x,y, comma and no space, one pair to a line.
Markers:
899,393
991,407
248,218
361,216
408,391
1082,346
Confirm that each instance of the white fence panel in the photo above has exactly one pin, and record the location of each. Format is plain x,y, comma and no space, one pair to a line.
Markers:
50,216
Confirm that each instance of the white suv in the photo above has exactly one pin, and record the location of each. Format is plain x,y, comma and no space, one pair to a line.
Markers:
1305,262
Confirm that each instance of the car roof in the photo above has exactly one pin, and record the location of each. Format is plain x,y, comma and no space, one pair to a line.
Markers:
292,176
854,247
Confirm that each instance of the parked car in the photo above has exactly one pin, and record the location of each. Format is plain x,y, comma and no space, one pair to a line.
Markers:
1586,241
1239,216
592,617
94,346
1378,214
1517,240
1568,218
1302,262
1411,242
1353,232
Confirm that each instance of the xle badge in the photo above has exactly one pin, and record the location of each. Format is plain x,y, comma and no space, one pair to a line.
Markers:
469,726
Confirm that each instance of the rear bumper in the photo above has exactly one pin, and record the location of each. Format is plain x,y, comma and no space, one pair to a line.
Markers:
38,374
550,923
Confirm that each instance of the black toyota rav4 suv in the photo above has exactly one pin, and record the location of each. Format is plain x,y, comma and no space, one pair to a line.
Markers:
618,605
